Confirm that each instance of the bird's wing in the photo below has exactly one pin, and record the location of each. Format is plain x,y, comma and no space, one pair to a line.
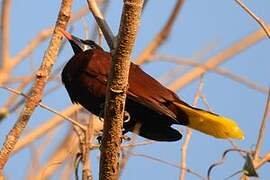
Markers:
142,88
149,92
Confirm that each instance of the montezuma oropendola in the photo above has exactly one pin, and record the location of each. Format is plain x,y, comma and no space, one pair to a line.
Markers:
148,102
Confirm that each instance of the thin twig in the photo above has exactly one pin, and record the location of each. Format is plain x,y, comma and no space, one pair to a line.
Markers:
222,160
189,133
66,150
262,128
47,108
259,21
44,128
169,164
262,161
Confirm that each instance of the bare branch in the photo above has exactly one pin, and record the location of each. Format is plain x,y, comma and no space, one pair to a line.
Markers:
37,89
222,160
66,150
262,128
4,34
44,128
116,90
189,133
47,108
262,161
169,164
259,21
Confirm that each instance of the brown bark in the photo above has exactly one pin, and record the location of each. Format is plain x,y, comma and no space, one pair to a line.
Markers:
116,91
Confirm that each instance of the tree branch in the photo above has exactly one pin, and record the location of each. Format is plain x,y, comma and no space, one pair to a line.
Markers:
262,128
4,34
116,90
39,84
189,134
257,19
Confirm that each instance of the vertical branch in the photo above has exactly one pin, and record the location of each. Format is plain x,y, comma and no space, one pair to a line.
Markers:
262,128
189,134
37,89
162,35
116,90
4,34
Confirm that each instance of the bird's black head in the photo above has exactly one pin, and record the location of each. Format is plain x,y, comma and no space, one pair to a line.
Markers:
78,45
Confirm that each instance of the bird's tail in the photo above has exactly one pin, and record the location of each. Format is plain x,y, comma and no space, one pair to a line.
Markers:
210,123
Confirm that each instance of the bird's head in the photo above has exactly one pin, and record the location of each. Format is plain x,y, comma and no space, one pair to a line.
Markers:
78,45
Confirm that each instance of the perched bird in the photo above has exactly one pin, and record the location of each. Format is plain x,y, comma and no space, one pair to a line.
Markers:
153,106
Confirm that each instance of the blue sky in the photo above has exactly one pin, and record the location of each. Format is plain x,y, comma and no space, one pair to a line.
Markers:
200,24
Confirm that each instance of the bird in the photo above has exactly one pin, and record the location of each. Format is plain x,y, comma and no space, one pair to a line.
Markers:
148,103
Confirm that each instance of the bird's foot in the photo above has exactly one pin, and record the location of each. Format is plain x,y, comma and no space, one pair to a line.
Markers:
126,117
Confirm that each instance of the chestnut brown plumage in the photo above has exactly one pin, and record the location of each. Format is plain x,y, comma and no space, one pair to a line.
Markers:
148,103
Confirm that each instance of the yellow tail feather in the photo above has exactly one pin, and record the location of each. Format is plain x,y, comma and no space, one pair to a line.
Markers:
212,124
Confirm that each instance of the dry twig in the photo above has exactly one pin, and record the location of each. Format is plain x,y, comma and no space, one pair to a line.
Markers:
262,128
169,164
189,134
257,19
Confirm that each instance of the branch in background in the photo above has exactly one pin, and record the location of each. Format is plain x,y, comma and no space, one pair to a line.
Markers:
259,21
218,59
42,36
4,34
39,84
262,128
126,153
47,108
108,34
262,161
189,133
116,90
169,164
219,70
65,150
44,128
161,36
85,141
97,31
222,160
